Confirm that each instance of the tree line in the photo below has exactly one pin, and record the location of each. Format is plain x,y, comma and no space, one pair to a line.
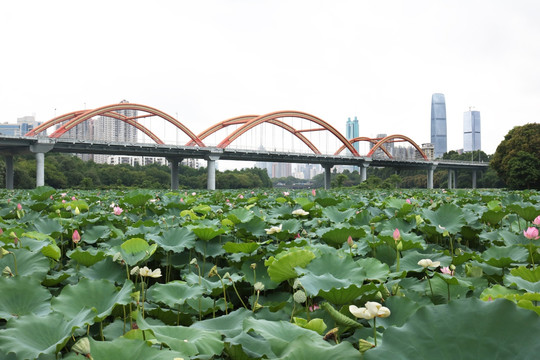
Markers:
64,171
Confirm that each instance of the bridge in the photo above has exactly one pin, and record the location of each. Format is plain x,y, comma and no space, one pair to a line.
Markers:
39,143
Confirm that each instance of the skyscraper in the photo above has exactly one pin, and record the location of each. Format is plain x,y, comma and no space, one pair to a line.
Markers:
352,131
471,131
438,124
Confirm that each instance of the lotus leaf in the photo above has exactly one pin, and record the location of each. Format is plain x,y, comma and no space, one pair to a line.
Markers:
207,233
86,257
42,193
246,248
106,269
175,239
448,217
524,209
29,263
31,335
92,234
23,295
503,256
336,216
122,348
174,293
135,250
316,325
99,295
256,227
338,235
240,215
283,266
137,198
48,226
52,251
477,329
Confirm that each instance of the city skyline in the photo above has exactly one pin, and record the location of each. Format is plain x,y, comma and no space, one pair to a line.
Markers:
204,63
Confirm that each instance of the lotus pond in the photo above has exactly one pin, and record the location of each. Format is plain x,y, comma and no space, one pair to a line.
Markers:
339,274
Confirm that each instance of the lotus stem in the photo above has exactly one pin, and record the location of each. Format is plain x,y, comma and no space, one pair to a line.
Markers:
430,288
375,330
237,294
142,291
14,263
532,255
224,295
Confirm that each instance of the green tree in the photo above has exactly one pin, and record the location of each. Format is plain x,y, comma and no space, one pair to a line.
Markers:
520,139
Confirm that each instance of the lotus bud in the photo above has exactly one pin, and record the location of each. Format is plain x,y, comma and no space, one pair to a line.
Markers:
117,257
350,241
57,211
134,271
213,271
296,284
82,346
76,237
3,252
7,272
258,286
253,266
399,246
193,261
19,206
364,345
300,297
77,211
536,221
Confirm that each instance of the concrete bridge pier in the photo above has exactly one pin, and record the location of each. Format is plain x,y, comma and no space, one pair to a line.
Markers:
174,171
431,169
8,159
211,168
40,149
363,171
327,175
451,179
474,179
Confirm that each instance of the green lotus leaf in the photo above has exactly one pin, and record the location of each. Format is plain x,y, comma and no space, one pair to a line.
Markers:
347,295
401,309
499,291
256,226
52,251
23,295
396,223
246,248
374,269
526,210
521,283
99,295
282,267
55,278
330,271
316,324
493,217
336,216
337,235
240,215
29,263
532,275
247,346
207,233
95,233
305,203
42,193
260,274
325,201
48,226
292,226
279,334
504,256
31,335
86,257
448,217
81,204
105,269
477,329
175,239
132,349
137,198
409,261
135,250
143,230
188,340
174,293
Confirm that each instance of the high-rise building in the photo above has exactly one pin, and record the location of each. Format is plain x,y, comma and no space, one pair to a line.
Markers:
438,124
471,131
353,131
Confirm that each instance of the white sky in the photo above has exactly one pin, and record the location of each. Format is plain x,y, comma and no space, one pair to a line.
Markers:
207,61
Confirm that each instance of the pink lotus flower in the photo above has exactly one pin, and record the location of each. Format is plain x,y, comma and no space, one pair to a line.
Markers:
537,220
194,193
63,194
446,270
50,197
63,201
350,241
313,192
76,237
73,198
117,210
1,231
314,307
227,200
285,193
408,201
396,235
241,196
531,233
19,206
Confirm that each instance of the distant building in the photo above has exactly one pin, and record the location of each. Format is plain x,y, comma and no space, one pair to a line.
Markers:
471,131
24,124
438,124
10,129
280,170
353,131
429,150
405,152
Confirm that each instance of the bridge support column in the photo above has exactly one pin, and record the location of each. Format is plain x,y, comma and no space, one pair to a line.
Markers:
474,179
451,179
430,176
327,175
211,168
174,172
40,149
363,171
9,171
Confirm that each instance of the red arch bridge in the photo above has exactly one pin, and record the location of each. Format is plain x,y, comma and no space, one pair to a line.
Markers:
197,146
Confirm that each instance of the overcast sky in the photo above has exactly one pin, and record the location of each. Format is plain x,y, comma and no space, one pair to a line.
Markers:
207,61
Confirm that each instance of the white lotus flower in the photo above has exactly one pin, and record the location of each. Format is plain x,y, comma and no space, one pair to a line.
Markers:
274,229
300,212
372,309
425,263
145,271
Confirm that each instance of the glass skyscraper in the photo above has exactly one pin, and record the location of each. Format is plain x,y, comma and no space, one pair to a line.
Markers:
471,131
438,124
353,132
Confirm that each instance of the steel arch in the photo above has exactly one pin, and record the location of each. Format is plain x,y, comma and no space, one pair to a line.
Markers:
363,138
274,115
112,114
125,106
246,118
397,136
